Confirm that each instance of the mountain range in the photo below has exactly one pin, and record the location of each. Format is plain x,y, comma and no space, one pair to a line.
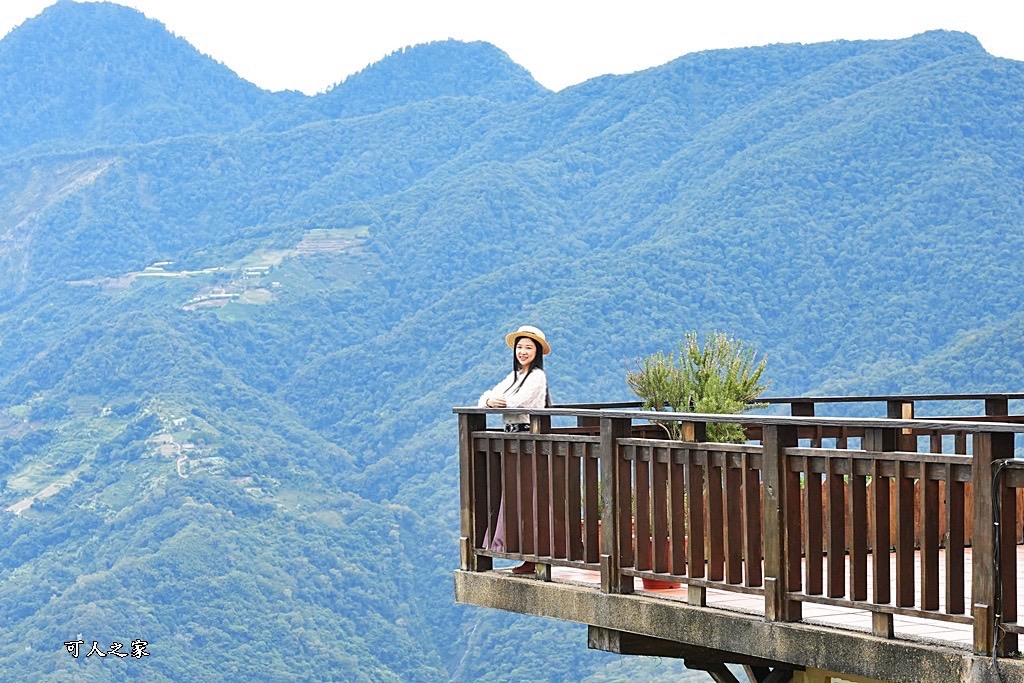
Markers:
233,322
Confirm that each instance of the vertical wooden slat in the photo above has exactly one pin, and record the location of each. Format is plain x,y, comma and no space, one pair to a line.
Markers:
527,499
929,541
812,528
792,561
591,506
492,456
659,510
879,519
559,499
734,528
642,498
904,536
480,484
941,483
942,518
470,515
677,510
858,505
752,515
1020,514
715,521
625,524
694,475
1007,541
575,516
836,531
697,432
542,499
880,542
954,543
510,475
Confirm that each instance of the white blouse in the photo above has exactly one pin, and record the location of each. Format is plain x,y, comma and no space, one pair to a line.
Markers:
532,394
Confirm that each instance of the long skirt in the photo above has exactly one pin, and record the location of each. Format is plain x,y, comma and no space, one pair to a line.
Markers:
497,543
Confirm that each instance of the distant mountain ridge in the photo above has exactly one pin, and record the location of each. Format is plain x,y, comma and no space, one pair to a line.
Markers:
109,75
447,68
233,323
104,64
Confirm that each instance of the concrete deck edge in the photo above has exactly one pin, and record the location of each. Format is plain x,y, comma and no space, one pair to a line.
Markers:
800,644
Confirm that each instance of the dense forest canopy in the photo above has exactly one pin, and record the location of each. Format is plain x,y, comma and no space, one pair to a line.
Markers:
233,322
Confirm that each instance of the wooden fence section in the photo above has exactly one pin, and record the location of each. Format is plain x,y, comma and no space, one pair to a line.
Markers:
840,511
867,515
542,489
695,512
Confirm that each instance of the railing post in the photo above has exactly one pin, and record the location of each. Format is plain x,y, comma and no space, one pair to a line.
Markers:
781,525
1007,540
902,410
541,424
694,431
997,406
588,422
616,520
901,439
988,448
880,440
802,408
472,490
806,409
698,540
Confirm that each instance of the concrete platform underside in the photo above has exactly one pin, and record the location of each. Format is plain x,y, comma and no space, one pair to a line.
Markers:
677,629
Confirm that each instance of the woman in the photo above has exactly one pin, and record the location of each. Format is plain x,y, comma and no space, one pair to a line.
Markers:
525,387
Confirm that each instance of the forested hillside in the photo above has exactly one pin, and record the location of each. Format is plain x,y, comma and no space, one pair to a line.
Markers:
233,322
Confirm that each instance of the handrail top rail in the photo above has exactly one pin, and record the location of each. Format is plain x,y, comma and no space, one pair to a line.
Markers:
747,418
891,397
875,398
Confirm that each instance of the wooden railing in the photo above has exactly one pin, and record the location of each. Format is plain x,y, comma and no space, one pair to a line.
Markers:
810,510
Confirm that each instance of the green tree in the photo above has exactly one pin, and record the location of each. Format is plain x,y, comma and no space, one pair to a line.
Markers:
722,375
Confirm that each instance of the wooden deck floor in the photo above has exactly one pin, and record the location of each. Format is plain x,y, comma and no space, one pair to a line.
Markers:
911,628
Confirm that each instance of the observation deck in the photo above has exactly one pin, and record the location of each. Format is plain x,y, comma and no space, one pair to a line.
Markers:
822,548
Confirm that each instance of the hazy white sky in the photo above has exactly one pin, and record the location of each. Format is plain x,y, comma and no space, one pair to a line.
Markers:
309,45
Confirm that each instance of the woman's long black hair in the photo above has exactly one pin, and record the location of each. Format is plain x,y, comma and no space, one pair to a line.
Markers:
537,364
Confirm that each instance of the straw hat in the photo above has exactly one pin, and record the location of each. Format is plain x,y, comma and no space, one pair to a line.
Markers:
528,331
